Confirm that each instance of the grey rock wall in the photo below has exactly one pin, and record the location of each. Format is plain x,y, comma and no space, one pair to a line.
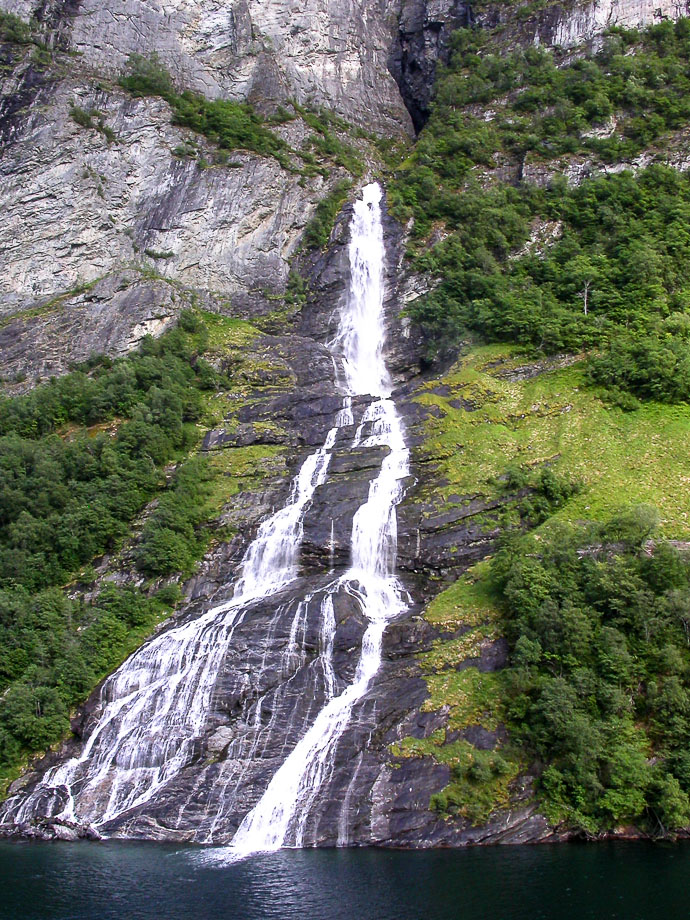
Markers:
111,317
569,24
424,34
329,52
76,206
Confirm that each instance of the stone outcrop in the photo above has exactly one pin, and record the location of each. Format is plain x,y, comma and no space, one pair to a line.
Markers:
325,52
567,25
111,317
84,203
77,206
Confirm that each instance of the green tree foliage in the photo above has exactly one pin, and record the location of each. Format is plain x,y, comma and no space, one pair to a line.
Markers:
655,366
602,266
14,30
599,678
67,497
643,78
230,125
79,457
172,539
53,651
326,143
318,230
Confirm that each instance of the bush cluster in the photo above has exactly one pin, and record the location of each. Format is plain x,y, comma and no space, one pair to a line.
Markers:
53,652
172,540
68,497
598,687
318,230
79,458
603,265
14,30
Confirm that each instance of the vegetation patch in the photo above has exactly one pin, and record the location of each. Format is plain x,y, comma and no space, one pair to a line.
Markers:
480,784
172,538
595,692
237,126
474,697
480,780
243,468
598,688
326,143
55,303
14,30
468,602
553,421
500,427
558,268
613,103
227,333
94,120
66,499
318,230
54,650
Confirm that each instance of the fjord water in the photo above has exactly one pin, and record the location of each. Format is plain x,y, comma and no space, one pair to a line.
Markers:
110,881
153,710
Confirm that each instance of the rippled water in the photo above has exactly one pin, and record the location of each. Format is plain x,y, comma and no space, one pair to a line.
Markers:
142,881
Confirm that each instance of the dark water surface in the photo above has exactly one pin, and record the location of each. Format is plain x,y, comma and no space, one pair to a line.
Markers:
87,881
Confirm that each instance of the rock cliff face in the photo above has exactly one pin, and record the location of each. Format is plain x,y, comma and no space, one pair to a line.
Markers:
83,204
568,25
114,201
108,234
79,209
424,41
328,52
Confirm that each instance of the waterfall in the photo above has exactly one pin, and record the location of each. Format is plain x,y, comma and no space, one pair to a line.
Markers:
153,710
153,706
280,816
361,334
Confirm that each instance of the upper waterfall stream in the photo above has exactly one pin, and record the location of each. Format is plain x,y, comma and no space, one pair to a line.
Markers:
153,708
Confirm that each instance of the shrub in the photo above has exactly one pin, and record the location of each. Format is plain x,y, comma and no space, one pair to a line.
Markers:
230,125
318,230
598,687
14,30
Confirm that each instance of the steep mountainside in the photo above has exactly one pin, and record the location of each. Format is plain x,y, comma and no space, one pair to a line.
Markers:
178,183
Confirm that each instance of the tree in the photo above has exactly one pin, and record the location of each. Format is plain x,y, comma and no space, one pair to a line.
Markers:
584,273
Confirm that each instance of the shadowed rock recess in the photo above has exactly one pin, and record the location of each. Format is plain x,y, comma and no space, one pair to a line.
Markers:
110,229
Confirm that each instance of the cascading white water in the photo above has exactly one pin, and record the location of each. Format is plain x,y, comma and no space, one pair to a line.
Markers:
361,333
281,814
153,706
153,709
